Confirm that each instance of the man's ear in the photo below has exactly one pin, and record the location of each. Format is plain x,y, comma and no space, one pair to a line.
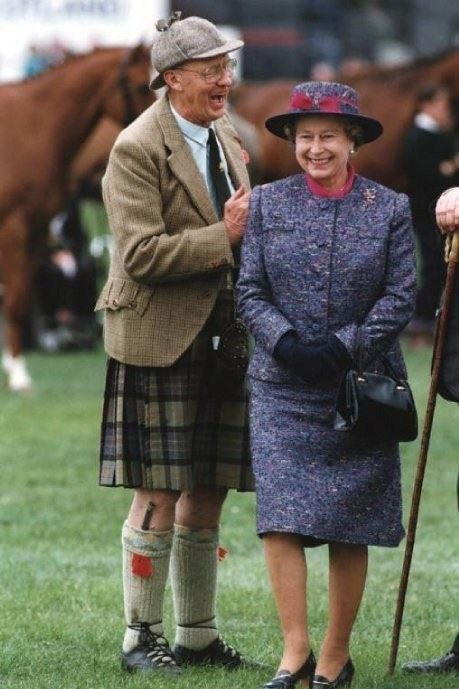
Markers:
173,80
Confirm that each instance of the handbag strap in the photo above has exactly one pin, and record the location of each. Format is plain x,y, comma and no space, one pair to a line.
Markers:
385,360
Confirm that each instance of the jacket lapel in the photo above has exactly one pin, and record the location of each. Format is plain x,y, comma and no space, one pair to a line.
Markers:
182,164
232,147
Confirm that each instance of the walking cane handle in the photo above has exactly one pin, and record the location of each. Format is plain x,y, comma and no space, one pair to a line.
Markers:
452,247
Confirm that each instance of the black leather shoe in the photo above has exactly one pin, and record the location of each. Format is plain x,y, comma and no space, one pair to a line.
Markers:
286,680
152,653
446,663
343,679
217,654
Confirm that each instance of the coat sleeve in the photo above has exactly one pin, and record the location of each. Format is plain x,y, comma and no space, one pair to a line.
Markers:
395,306
148,252
254,300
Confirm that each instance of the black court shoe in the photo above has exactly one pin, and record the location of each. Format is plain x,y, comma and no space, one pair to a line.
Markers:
343,679
216,654
152,653
287,680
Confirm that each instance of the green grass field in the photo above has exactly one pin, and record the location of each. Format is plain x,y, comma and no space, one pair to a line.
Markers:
60,593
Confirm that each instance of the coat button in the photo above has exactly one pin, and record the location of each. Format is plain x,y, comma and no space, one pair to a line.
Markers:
115,302
132,304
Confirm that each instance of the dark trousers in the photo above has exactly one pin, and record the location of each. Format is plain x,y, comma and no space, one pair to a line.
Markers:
433,269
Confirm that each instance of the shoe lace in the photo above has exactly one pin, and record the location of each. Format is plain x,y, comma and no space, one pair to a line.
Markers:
227,650
160,652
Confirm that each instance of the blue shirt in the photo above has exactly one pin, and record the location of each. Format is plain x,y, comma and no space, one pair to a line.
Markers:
196,138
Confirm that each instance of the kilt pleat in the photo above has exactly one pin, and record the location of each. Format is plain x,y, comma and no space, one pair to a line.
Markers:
173,428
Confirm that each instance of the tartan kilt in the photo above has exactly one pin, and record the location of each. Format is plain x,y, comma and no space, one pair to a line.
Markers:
174,427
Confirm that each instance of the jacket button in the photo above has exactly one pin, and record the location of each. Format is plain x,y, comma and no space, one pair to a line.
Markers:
115,302
132,304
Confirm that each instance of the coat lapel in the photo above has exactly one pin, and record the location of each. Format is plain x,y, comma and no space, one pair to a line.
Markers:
232,147
182,164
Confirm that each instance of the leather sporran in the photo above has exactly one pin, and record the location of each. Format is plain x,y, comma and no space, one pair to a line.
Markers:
376,406
232,354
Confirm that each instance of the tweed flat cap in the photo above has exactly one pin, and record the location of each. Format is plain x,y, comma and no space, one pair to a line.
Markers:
179,40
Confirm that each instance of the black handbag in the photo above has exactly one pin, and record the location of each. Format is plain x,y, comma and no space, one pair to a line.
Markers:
377,406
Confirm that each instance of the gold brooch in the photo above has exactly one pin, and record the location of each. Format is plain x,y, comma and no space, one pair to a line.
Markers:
370,195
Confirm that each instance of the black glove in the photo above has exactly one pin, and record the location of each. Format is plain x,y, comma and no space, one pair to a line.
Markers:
314,363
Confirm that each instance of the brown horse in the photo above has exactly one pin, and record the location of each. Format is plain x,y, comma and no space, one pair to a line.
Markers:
389,94
44,122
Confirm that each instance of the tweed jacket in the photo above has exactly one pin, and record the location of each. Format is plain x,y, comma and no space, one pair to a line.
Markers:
171,253
321,265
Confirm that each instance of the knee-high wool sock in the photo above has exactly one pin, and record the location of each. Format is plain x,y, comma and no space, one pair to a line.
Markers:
146,556
194,585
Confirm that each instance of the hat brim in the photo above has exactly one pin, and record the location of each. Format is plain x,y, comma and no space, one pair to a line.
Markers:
158,81
371,128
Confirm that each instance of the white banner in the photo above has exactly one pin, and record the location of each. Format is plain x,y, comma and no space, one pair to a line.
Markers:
76,24
50,9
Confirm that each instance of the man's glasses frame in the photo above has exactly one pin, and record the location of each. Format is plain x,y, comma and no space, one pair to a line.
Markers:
213,73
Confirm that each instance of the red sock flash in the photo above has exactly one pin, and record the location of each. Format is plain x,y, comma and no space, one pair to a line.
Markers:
142,565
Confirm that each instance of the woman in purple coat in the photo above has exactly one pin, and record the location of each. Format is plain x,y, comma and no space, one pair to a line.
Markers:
327,268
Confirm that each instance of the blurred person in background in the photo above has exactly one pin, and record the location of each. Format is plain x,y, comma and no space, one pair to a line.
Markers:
36,61
66,286
431,164
176,194
322,71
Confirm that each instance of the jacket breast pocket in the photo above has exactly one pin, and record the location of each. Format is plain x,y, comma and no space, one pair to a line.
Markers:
278,225
119,293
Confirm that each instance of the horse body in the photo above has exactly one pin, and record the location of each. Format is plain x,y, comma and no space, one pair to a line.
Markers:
388,94
44,122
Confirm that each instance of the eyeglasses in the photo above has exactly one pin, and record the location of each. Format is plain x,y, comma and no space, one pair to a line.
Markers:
215,72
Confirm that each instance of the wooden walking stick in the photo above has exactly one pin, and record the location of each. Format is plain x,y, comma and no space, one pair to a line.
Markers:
452,258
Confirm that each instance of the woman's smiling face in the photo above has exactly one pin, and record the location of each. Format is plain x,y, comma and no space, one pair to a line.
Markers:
322,148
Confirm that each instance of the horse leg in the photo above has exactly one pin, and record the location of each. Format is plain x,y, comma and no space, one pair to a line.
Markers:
17,282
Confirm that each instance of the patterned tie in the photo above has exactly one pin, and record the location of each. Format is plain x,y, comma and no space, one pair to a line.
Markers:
217,173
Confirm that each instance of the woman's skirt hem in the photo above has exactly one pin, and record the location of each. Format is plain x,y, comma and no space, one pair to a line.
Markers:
315,539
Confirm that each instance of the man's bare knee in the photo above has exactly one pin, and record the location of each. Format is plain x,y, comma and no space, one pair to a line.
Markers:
153,509
201,508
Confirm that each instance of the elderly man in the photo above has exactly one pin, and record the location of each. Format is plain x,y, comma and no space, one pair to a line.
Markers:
176,192
447,215
431,167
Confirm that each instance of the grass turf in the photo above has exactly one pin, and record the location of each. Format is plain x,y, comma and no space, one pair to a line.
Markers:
60,595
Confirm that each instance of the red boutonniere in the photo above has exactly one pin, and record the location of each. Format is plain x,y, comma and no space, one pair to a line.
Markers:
245,154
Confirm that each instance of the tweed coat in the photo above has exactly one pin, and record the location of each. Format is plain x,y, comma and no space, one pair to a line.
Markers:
171,252
320,266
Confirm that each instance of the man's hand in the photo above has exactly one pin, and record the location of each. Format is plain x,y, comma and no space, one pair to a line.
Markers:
235,215
447,210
